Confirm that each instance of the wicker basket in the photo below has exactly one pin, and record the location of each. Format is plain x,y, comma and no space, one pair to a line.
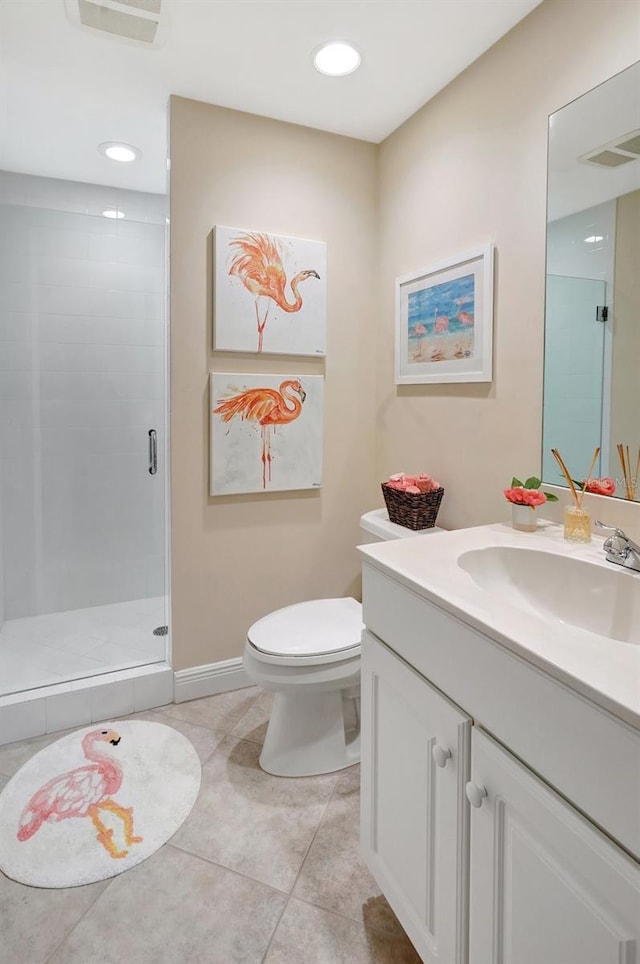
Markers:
412,510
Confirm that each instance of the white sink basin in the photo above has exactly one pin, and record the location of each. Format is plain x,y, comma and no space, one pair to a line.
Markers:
605,601
559,605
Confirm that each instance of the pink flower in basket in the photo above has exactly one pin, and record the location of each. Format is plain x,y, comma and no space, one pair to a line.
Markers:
413,484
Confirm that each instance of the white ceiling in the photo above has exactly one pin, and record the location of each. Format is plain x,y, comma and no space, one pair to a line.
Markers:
64,89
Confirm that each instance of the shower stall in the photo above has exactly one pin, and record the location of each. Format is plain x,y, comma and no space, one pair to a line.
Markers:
83,418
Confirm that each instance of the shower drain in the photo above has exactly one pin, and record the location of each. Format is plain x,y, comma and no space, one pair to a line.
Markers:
161,631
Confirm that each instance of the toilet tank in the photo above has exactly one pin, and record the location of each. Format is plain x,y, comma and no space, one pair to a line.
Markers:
376,527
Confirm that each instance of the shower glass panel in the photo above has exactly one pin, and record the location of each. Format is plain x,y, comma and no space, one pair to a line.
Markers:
82,384
573,374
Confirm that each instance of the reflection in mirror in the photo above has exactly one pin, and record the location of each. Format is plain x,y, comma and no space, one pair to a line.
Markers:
592,316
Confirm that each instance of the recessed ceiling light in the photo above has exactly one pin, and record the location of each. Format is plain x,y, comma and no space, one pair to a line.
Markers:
593,238
117,151
114,213
336,59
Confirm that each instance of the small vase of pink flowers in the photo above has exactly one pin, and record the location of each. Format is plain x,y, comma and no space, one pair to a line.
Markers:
525,497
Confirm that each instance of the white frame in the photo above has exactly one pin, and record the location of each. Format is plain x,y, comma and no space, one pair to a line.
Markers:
478,262
297,447
302,333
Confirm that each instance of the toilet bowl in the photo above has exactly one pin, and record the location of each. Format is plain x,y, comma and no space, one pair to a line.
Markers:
308,655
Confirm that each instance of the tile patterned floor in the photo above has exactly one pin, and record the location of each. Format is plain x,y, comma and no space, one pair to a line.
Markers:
264,871
57,647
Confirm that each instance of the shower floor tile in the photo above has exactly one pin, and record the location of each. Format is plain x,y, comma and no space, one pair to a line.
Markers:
59,647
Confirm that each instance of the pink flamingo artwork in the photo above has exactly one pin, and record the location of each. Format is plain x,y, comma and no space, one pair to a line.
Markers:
258,263
420,331
269,408
464,317
441,325
83,792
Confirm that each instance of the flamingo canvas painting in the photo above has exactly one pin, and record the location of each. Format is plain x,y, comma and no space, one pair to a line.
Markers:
269,293
444,321
266,433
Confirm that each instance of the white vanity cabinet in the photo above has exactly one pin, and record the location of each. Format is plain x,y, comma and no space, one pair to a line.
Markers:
546,886
520,875
414,829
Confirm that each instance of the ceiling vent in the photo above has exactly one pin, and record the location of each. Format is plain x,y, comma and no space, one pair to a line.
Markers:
134,21
619,151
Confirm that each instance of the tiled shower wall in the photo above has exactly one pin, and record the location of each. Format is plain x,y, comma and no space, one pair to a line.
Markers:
82,380
578,351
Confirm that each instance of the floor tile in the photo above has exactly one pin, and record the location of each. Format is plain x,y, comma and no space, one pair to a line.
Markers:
115,655
250,821
317,936
204,739
35,920
253,725
39,650
334,876
176,909
280,832
220,712
14,755
23,665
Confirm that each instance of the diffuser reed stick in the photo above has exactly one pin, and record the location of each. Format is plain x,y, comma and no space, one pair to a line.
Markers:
565,472
626,469
637,475
588,478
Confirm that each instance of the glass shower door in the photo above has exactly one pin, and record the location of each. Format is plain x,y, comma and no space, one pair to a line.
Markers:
573,375
82,384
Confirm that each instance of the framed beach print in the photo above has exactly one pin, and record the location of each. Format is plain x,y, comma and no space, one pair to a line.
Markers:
266,432
270,293
444,321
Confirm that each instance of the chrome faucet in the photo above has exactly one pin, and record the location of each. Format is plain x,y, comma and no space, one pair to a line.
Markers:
620,549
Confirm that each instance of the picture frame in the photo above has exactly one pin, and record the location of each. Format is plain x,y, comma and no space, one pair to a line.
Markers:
266,432
269,293
444,321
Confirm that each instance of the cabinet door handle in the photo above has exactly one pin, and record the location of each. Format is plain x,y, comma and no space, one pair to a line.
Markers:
440,755
475,794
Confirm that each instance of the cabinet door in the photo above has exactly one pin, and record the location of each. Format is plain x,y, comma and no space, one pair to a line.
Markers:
414,833
546,886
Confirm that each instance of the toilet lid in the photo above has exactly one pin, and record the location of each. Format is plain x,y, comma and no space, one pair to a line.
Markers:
309,628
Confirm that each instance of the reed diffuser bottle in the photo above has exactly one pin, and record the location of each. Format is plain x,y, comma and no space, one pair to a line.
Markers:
577,521
577,524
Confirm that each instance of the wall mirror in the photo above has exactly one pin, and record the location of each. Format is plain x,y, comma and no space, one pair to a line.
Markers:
592,310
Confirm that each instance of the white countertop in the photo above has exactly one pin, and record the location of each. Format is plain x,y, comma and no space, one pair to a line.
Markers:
605,670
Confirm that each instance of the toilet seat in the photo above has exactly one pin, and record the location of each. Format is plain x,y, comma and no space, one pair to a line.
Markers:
316,631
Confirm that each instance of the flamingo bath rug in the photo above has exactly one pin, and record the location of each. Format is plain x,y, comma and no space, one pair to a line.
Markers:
96,802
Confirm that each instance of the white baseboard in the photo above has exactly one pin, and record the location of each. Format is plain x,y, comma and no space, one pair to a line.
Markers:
207,680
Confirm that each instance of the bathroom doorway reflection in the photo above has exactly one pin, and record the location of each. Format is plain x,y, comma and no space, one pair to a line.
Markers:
83,357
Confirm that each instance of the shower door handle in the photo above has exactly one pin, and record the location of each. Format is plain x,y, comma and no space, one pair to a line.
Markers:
153,451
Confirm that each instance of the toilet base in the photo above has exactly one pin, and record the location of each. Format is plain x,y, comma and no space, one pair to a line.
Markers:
306,735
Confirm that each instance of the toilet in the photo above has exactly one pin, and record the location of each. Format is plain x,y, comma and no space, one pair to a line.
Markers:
308,655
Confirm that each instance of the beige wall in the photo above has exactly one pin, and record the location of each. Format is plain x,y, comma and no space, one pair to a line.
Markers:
470,167
236,558
625,388
467,168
